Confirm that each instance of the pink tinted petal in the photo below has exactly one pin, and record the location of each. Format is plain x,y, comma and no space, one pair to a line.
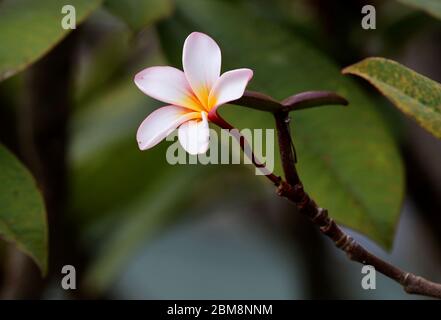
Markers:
167,84
194,135
201,59
230,86
160,123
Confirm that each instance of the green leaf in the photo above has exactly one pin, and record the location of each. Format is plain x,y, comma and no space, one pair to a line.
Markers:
348,160
103,142
22,211
139,14
432,7
30,29
105,59
415,95
103,132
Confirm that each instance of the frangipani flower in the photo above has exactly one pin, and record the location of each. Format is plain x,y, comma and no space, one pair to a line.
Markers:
192,95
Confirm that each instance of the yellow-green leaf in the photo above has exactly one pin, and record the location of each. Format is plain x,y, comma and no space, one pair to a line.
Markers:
22,211
30,28
415,95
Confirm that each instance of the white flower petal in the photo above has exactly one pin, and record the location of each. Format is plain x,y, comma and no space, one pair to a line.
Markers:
194,135
201,59
160,123
167,84
230,86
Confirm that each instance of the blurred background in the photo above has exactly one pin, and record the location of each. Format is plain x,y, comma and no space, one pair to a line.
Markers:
135,227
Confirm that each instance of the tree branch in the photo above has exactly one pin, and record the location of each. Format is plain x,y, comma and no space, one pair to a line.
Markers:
293,190
311,99
304,100
319,216
287,154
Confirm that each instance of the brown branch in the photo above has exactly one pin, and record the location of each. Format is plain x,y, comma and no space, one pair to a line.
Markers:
311,99
319,216
259,101
293,190
304,100
287,154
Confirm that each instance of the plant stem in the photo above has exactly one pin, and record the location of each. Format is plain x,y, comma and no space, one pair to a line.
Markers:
293,190
287,152
319,216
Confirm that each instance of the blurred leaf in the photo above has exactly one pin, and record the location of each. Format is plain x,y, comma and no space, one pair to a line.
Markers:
347,158
113,56
144,218
22,211
414,94
111,116
30,29
432,7
104,152
153,210
102,62
139,14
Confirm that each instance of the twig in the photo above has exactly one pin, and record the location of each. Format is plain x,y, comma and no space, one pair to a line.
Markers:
287,154
304,100
311,99
293,190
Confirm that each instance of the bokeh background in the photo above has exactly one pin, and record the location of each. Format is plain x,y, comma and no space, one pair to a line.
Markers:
136,227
